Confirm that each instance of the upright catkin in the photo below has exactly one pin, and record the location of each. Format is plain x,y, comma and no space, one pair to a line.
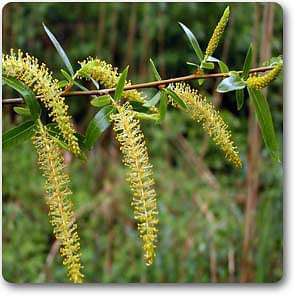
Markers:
140,177
108,76
204,112
217,34
259,82
57,189
37,76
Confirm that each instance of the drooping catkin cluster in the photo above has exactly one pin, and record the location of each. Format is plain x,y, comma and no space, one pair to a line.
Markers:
57,189
37,76
140,177
259,82
107,76
217,34
204,112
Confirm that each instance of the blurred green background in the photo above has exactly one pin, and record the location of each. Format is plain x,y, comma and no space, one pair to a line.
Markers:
204,203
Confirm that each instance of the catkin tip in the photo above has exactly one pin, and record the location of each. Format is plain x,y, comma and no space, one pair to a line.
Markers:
218,32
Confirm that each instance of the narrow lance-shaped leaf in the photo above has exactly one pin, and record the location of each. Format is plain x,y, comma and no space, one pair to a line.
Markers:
22,111
153,101
193,64
193,41
207,65
121,84
175,97
59,49
101,101
247,63
57,135
27,94
223,67
18,134
212,59
144,116
163,105
239,95
97,126
66,75
230,83
154,70
265,121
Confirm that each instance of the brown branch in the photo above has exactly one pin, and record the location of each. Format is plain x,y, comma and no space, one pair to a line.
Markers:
144,85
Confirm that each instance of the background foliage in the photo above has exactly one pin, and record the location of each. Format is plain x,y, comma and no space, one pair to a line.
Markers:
201,197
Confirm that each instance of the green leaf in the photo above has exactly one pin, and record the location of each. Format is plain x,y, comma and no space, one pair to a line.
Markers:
55,132
201,81
239,95
223,67
61,143
193,41
27,94
138,106
144,116
154,70
80,86
59,49
247,63
121,84
153,101
231,83
175,97
265,122
96,84
22,111
66,75
18,134
207,65
212,59
193,64
97,126
163,105
101,101
63,83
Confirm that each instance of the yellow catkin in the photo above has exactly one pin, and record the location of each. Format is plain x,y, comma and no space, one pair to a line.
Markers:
140,177
107,76
204,112
37,76
259,82
50,161
217,34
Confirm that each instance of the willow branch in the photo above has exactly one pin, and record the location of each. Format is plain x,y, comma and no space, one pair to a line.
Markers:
144,85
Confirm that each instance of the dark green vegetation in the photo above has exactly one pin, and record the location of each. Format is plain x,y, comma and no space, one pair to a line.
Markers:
202,199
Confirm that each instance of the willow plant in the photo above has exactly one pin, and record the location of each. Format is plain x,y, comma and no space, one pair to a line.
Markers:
124,111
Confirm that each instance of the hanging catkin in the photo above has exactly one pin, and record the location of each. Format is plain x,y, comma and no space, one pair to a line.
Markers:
203,112
50,161
140,177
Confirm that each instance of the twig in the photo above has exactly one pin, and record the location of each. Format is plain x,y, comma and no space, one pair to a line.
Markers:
144,85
